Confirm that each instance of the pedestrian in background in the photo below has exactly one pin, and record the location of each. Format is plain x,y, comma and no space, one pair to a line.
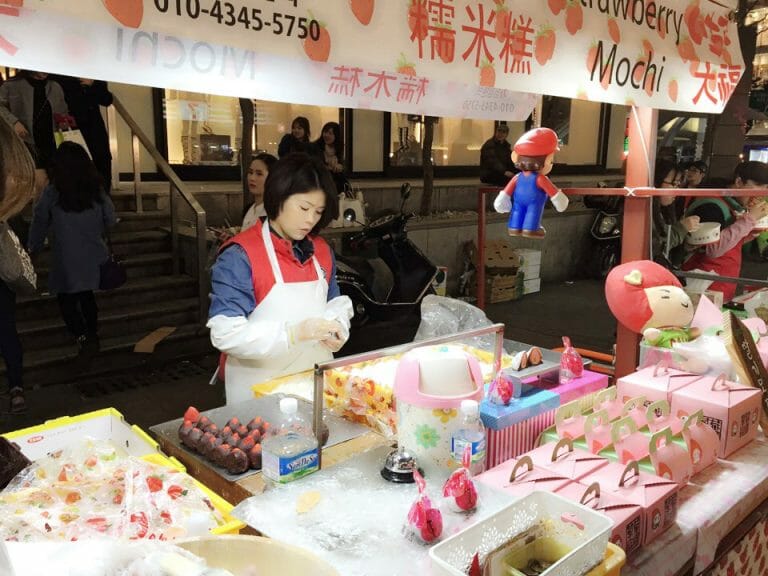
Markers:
257,176
297,140
496,166
17,184
85,97
330,148
78,213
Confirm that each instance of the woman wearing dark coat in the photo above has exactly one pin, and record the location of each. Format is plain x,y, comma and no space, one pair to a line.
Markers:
77,213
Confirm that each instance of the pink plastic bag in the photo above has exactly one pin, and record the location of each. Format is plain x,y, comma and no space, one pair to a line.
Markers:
425,522
571,364
459,489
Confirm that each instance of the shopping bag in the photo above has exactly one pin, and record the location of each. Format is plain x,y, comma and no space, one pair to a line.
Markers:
112,273
71,135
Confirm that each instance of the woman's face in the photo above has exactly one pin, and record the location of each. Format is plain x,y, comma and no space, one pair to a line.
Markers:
329,137
671,180
299,214
298,131
257,175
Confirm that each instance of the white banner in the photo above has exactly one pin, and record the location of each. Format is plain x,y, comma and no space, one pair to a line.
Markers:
469,58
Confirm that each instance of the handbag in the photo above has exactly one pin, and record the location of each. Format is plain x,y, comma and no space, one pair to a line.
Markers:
16,268
111,272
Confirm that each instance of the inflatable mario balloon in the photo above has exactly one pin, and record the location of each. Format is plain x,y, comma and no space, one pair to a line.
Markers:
648,299
527,192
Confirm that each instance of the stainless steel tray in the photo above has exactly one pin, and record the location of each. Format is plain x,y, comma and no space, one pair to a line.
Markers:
268,408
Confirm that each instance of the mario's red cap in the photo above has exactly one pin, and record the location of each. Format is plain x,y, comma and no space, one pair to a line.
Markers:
537,142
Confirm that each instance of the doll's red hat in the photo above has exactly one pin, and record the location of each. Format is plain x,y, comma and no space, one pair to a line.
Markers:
537,142
625,291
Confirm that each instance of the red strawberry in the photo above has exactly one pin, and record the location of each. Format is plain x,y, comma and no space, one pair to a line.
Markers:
255,423
246,443
127,12
694,22
175,491
686,50
638,71
72,497
256,435
192,414
418,19
502,23
574,17
254,457
487,74
203,422
672,90
226,431
613,30
556,6
433,526
363,10
544,45
154,483
140,519
592,61
91,461
118,497
234,423
468,499
242,430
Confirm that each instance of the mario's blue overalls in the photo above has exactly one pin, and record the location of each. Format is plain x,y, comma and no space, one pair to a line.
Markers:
527,203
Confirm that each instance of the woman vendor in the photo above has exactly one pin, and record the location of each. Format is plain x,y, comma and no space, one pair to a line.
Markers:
275,305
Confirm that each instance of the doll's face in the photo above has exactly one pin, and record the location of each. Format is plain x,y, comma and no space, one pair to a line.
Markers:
671,306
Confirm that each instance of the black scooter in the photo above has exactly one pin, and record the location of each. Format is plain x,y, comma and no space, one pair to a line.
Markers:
386,276
605,232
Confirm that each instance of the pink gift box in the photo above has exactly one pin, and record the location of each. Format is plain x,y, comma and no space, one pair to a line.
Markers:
702,442
655,383
520,477
609,401
732,410
628,443
569,421
670,460
627,517
597,430
657,497
563,459
659,416
576,388
636,409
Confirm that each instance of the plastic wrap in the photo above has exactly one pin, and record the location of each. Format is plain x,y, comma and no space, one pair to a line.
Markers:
442,316
94,490
459,490
425,521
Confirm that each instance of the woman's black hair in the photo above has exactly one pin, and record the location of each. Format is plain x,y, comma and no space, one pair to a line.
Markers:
75,178
338,144
265,157
299,173
304,123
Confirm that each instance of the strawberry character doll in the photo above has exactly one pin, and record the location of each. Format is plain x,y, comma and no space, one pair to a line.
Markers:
526,194
648,299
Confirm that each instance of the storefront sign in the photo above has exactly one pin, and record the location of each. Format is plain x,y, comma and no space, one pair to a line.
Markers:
472,58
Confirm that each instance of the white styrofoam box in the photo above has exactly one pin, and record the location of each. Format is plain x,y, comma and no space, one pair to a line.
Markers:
531,271
106,424
531,286
582,530
529,256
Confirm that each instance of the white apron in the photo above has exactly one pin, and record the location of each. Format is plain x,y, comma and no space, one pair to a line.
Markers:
286,302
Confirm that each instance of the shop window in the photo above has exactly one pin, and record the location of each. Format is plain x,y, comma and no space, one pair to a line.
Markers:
206,130
457,141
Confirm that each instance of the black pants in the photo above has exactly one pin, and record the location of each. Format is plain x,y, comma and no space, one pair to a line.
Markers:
80,313
10,345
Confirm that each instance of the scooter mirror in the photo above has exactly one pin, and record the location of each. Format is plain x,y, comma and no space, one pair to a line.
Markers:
349,215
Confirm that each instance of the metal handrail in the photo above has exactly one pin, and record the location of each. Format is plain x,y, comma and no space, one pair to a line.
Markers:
176,185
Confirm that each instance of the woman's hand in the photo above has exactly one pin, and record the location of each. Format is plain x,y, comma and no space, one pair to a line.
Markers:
20,130
691,223
317,330
758,208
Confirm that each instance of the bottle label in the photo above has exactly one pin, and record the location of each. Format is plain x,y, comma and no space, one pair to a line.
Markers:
288,468
458,446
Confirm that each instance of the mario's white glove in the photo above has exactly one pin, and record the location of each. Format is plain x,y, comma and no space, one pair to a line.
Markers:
560,201
503,202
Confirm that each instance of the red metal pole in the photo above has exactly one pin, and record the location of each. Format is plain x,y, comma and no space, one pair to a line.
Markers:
636,227
480,266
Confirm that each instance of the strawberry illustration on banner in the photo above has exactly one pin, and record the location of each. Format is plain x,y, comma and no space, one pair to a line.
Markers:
318,49
9,8
544,46
487,74
128,12
574,17
405,67
363,10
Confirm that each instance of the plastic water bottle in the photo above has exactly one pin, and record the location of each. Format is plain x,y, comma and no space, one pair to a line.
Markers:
471,433
290,451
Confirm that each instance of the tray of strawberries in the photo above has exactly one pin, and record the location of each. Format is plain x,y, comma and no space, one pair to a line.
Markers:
228,439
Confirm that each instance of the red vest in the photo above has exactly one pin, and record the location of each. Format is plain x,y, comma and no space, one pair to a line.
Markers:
252,243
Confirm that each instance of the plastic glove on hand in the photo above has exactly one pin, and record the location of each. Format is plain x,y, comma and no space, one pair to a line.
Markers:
315,329
503,202
560,201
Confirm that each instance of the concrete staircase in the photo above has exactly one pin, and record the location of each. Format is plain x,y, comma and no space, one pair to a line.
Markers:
152,297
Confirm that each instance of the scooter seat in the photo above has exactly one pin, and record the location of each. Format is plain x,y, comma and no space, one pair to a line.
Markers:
375,274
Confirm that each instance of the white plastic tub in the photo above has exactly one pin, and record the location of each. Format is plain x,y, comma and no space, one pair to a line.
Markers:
582,531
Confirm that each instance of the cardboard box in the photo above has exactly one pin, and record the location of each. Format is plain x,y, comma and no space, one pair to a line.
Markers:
732,410
656,496
627,517
529,256
529,404
531,271
519,477
655,383
531,286
563,459
499,254
503,288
